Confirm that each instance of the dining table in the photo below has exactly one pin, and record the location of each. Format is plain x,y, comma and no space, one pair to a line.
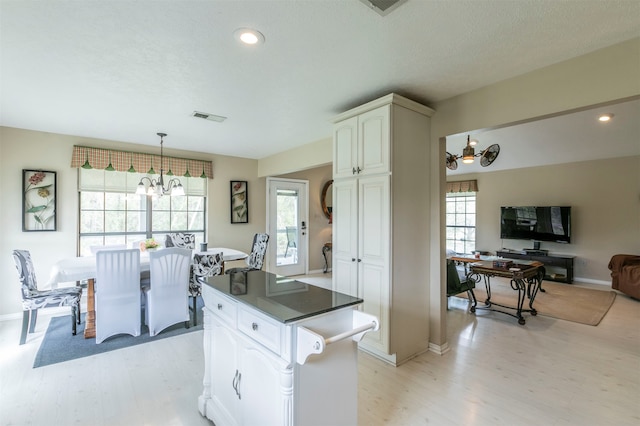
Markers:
76,269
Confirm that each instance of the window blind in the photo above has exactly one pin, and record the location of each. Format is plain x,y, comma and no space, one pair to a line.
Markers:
463,186
136,162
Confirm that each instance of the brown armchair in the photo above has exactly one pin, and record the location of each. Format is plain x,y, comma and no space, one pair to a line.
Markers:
625,274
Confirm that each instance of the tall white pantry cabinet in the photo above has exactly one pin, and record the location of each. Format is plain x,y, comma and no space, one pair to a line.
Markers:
380,220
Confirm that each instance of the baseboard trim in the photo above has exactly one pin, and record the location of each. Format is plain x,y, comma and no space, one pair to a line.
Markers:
439,349
10,317
591,281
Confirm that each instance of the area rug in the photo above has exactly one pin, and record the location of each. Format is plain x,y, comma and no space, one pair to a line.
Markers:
59,345
561,301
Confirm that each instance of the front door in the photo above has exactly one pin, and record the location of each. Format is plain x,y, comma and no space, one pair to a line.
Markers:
287,219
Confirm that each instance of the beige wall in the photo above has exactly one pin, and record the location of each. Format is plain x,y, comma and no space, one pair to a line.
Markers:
24,149
602,76
603,196
319,227
305,157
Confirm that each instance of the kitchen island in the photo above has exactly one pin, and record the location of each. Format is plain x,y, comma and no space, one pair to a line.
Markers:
280,352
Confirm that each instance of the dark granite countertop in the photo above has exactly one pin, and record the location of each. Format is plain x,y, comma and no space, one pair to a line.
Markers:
281,298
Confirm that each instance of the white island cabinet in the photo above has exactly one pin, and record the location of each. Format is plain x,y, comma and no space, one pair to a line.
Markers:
280,352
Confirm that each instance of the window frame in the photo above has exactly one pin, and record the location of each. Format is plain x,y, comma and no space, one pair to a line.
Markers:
468,245
146,209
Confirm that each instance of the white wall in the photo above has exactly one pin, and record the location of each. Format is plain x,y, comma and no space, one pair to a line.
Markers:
24,149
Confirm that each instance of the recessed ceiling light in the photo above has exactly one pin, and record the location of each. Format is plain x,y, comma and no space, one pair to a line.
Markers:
249,36
605,117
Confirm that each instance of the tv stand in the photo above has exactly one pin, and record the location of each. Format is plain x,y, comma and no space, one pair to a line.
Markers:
565,262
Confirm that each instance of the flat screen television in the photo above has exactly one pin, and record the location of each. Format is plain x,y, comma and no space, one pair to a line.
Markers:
550,223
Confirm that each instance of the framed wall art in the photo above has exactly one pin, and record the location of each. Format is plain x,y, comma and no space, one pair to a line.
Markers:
239,202
38,200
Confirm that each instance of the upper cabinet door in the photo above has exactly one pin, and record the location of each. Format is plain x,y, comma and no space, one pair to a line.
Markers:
345,148
374,141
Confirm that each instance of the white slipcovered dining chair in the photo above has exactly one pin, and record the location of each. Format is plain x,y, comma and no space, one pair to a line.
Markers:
117,298
167,300
96,249
204,266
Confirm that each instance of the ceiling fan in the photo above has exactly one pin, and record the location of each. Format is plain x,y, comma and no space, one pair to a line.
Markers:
487,156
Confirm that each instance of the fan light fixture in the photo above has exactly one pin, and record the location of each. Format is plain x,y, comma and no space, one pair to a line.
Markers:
156,187
605,117
487,156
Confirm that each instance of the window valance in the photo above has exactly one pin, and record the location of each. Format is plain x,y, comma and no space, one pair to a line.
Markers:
125,161
463,186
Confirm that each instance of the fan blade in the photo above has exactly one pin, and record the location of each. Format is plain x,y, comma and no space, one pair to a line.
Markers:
452,164
489,155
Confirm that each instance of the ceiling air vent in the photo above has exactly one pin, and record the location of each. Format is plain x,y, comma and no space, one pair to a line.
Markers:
383,7
207,116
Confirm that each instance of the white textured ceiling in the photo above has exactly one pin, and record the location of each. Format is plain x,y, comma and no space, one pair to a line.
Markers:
124,70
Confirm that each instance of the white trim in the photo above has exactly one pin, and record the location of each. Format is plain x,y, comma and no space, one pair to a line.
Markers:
590,281
439,349
270,263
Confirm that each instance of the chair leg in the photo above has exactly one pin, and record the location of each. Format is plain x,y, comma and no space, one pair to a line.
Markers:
473,299
195,312
25,326
34,317
73,320
79,313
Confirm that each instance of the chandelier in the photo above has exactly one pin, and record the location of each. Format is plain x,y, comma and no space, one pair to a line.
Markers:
487,156
156,187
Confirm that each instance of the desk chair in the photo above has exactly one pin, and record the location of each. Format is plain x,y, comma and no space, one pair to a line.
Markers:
458,282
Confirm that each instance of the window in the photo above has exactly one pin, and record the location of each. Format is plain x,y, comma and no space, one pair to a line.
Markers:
461,222
111,212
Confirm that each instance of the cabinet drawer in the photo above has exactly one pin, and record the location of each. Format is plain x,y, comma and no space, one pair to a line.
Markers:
263,330
224,308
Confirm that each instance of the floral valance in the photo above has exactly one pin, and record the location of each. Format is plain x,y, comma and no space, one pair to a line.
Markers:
125,161
463,186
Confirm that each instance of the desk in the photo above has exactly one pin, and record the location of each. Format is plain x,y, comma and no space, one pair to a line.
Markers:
466,260
84,268
525,279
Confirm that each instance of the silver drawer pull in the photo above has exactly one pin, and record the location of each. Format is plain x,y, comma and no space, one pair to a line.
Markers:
219,306
254,326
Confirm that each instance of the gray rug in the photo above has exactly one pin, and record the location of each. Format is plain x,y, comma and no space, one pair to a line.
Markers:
59,345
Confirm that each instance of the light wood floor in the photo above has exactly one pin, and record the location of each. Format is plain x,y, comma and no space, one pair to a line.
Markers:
549,372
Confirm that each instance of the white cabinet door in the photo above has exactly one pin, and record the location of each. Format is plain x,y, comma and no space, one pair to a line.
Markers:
345,237
262,388
374,141
361,144
224,371
374,253
345,148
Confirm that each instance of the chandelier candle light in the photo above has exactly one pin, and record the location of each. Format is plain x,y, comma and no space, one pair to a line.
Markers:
156,187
